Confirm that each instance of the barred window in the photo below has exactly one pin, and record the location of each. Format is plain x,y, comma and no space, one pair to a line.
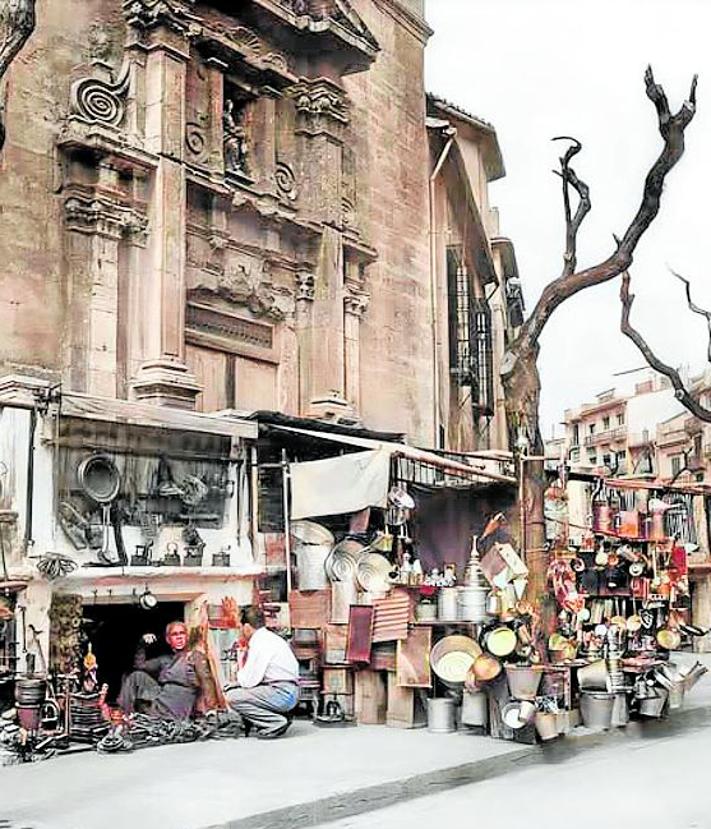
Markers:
470,336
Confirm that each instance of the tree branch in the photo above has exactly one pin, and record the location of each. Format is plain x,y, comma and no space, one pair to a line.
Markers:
671,128
572,223
680,391
17,22
695,308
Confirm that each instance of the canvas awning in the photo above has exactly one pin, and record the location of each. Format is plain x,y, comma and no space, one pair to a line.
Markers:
473,471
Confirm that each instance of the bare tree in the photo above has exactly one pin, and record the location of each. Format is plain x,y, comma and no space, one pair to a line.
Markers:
682,394
519,371
17,22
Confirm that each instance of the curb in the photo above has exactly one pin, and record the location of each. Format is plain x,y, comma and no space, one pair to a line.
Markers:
381,795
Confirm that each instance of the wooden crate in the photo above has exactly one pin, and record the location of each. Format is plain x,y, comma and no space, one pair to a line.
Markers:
335,640
370,697
337,681
404,707
309,610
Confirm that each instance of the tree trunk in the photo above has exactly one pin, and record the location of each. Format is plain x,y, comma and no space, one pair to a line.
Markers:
522,388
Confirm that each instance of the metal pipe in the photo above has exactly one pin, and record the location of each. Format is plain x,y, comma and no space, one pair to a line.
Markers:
287,523
433,284
30,480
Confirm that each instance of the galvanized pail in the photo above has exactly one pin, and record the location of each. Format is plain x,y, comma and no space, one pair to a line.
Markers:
440,716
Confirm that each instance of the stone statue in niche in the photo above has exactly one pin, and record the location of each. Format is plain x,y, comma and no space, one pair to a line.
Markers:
234,137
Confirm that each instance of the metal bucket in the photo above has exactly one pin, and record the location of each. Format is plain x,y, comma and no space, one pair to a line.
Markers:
440,716
471,604
30,693
594,677
546,725
475,709
654,706
596,709
343,595
523,682
425,612
447,603
310,564
620,711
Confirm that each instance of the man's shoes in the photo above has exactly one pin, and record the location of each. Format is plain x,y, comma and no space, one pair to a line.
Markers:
273,733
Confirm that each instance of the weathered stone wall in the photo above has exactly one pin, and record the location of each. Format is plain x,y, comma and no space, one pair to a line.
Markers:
390,146
33,293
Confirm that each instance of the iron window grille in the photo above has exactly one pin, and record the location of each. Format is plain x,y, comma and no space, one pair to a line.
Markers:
470,337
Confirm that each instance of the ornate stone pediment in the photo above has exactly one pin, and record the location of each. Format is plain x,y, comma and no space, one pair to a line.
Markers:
340,12
247,282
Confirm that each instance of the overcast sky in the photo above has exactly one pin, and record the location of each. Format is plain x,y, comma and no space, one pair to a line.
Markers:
541,68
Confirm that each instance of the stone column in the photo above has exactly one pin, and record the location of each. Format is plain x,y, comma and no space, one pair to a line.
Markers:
216,81
164,378
355,304
322,115
95,224
261,161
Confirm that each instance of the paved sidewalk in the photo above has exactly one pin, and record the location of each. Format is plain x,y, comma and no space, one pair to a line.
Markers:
303,779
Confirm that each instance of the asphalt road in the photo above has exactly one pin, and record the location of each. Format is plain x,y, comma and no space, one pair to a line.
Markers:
659,780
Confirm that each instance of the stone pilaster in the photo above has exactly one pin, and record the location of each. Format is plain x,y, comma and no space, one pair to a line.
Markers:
355,304
164,378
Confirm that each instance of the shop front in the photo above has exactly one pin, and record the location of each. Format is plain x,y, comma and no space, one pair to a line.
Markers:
117,519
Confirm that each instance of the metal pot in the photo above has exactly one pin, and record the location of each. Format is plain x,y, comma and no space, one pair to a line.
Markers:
596,709
485,668
447,603
668,639
653,706
594,677
501,641
475,708
546,725
440,716
523,681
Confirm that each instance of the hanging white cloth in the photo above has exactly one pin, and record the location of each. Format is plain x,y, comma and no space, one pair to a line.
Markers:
335,486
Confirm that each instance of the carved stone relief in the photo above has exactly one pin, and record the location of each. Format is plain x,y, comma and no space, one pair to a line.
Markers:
247,281
286,181
97,101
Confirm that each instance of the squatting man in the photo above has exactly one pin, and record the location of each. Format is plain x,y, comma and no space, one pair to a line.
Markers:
177,686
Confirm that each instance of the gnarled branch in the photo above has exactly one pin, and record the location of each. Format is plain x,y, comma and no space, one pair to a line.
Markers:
17,22
671,128
572,223
696,309
681,393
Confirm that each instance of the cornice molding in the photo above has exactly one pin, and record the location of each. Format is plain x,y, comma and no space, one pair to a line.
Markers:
416,25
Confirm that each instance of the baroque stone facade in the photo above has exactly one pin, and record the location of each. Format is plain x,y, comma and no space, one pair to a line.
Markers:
235,211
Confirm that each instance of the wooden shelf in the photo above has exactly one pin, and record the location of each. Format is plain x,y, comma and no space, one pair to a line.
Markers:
435,622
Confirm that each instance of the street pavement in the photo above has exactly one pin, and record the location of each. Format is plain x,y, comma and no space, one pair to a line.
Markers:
651,781
314,775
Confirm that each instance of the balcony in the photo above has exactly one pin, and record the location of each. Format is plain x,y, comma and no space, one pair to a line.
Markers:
608,436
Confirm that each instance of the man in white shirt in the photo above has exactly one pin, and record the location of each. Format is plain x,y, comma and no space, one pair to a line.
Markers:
267,680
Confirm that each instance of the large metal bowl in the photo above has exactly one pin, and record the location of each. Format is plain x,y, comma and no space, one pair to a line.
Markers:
452,657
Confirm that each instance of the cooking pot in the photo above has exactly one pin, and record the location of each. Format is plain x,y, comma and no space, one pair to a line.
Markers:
511,715
668,639
501,641
634,623
485,668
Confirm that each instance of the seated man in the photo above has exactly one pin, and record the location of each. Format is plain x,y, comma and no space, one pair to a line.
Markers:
267,679
168,687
